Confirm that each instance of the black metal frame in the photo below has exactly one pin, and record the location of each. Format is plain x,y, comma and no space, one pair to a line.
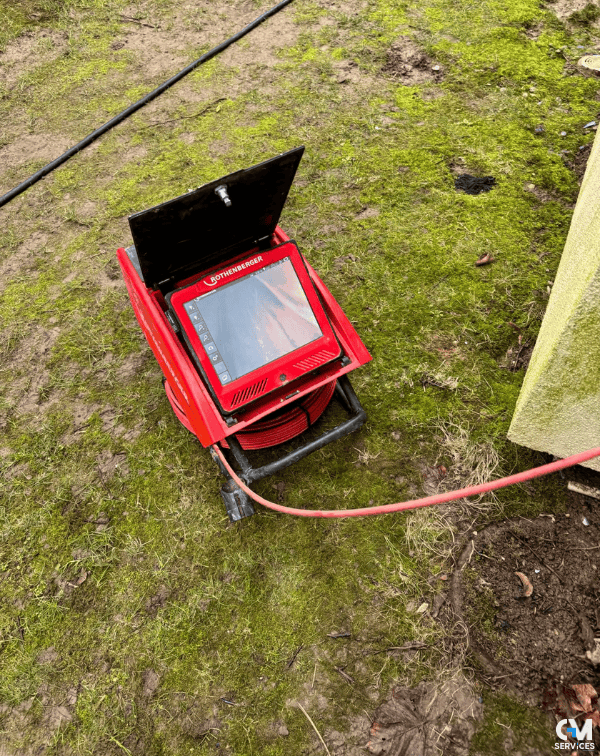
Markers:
237,503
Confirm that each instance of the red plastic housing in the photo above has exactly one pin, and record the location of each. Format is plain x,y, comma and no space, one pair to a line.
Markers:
189,395
274,373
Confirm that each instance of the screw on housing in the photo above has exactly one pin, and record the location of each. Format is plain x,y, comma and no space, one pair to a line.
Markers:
221,192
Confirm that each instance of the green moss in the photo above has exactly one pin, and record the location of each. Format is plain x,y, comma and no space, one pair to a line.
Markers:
506,718
237,602
310,13
586,16
27,14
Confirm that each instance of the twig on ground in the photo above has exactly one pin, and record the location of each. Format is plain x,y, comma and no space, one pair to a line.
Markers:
407,647
293,657
130,20
183,118
303,710
499,677
571,548
470,555
344,675
437,283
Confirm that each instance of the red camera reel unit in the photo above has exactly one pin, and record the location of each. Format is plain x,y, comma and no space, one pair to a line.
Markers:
277,428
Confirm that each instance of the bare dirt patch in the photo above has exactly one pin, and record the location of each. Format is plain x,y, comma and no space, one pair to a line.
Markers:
544,196
109,464
533,32
578,161
368,212
131,364
565,8
33,147
82,413
28,52
187,138
29,361
410,64
539,635
133,154
17,262
150,682
347,72
195,723
157,601
156,50
17,728
264,42
517,356
160,50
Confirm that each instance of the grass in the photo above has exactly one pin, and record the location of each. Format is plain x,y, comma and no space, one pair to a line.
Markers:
101,480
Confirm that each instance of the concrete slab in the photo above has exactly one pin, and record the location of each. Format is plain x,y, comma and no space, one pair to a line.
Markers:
558,409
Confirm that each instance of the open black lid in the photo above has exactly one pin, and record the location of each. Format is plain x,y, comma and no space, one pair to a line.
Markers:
198,230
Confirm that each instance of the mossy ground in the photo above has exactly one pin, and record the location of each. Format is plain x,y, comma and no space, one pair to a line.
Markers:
115,547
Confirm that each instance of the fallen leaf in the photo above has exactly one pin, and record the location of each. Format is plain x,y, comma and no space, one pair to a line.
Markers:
82,577
585,693
594,656
484,260
150,681
527,586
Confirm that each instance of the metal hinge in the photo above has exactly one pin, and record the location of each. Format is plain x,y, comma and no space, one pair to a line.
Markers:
264,242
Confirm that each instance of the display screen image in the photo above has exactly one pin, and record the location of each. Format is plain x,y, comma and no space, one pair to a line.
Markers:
254,320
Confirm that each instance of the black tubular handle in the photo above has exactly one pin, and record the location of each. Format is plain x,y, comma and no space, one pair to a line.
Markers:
358,416
6,198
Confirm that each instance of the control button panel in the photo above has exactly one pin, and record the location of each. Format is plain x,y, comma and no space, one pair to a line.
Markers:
207,342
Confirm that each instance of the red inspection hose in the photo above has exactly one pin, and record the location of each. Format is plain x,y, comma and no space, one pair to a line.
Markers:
428,501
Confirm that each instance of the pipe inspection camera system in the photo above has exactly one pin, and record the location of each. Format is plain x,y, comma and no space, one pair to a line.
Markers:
252,344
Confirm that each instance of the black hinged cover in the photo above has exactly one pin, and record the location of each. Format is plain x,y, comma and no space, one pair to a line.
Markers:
193,232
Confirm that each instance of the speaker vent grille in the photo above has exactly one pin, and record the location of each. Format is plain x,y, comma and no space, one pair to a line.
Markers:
314,360
248,393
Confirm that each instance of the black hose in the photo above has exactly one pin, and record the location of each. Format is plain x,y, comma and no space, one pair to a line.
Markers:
6,198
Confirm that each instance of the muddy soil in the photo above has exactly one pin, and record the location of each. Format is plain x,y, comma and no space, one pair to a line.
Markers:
528,589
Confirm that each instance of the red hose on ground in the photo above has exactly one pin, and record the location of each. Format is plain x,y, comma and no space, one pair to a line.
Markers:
428,501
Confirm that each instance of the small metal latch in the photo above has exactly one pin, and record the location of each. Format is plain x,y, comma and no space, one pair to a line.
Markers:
221,192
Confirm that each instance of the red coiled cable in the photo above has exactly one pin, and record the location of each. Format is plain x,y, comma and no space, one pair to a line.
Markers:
288,423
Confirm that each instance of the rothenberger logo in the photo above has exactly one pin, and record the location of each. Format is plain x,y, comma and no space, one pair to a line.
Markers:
580,734
214,280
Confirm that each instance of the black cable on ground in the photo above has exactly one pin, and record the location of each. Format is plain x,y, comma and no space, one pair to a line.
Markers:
6,198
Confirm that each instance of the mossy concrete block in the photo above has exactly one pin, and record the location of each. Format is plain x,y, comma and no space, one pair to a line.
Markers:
558,409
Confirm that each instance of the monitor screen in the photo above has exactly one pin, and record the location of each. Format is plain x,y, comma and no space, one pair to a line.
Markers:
254,320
